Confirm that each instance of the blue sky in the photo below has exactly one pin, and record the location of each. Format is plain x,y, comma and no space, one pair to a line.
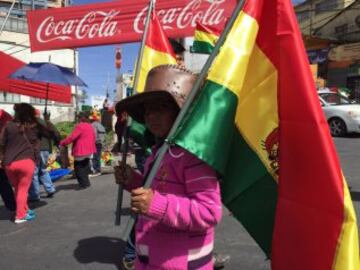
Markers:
97,64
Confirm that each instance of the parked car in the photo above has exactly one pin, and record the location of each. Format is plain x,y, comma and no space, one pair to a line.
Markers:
342,115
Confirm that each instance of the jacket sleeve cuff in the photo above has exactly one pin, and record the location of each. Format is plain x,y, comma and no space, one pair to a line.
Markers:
158,206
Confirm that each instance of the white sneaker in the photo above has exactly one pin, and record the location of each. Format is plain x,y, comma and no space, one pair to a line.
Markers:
20,220
94,174
29,216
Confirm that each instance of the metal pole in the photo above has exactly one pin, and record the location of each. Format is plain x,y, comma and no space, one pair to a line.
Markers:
123,162
76,71
195,89
311,18
7,16
46,99
47,93
126,135
142,46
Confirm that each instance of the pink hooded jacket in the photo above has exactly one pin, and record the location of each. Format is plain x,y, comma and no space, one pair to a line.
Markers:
83,139
178,231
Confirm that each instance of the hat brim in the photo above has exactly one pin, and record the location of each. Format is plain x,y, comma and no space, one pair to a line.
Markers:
135,105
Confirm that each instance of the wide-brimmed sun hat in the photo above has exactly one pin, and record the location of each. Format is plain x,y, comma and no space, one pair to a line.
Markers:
165,83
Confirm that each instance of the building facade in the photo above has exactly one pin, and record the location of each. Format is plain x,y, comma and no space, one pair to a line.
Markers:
331,32
14,41
313,14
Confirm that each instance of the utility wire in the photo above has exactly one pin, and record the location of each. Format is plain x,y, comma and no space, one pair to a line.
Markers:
327,18
323,9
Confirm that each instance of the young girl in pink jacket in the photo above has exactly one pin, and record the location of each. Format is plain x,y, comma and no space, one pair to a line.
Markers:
177,215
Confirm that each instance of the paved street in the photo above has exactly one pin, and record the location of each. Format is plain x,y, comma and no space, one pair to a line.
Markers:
75,229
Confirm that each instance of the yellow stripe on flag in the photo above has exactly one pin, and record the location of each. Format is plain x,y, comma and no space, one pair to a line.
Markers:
151,59
253,79
205,37
347,253
257,113
241,48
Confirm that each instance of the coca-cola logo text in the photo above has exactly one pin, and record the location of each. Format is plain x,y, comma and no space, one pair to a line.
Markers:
184,17
120,21
95,24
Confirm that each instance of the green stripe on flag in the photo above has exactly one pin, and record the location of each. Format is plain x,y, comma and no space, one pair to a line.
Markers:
248,190
202,133
202,47
137,132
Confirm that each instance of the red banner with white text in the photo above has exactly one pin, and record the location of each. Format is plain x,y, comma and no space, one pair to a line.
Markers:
120,21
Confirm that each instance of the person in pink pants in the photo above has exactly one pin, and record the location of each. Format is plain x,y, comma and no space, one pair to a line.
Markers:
20,174
20,152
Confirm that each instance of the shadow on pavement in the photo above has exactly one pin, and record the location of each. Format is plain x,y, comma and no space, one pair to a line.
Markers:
126,211
100,249
5,214
34,205
67,187
355,195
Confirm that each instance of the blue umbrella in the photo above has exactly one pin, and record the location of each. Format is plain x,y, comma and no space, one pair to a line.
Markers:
47,73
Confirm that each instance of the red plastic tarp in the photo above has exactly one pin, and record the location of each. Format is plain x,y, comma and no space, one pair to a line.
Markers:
9,64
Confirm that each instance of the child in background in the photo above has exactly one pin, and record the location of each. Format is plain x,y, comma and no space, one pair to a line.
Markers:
183,205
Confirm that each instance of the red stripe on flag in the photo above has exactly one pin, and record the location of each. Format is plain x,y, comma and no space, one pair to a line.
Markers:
207,29
310,207
157,39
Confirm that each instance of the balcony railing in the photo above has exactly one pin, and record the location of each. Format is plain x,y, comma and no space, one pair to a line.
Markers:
14,24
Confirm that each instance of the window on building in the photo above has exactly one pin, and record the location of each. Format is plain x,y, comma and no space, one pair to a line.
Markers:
341,29
357,21
327,5
9,97
303,15
62,104
38,101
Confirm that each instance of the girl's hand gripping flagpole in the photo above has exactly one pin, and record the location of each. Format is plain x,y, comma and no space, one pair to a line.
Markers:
162,151
126,132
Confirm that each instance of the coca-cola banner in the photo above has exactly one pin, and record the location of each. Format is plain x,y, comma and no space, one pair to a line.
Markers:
120,21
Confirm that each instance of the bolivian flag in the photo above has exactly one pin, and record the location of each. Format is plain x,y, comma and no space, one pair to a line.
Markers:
157,51
259,123
204,39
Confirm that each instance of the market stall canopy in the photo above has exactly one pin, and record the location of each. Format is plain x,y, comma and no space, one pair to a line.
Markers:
10,64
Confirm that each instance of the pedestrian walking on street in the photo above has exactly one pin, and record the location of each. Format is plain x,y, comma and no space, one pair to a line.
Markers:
6,192
19,153
83,147
41,175
99,142
183,205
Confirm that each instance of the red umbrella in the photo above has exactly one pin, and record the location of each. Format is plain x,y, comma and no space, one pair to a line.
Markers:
58,93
